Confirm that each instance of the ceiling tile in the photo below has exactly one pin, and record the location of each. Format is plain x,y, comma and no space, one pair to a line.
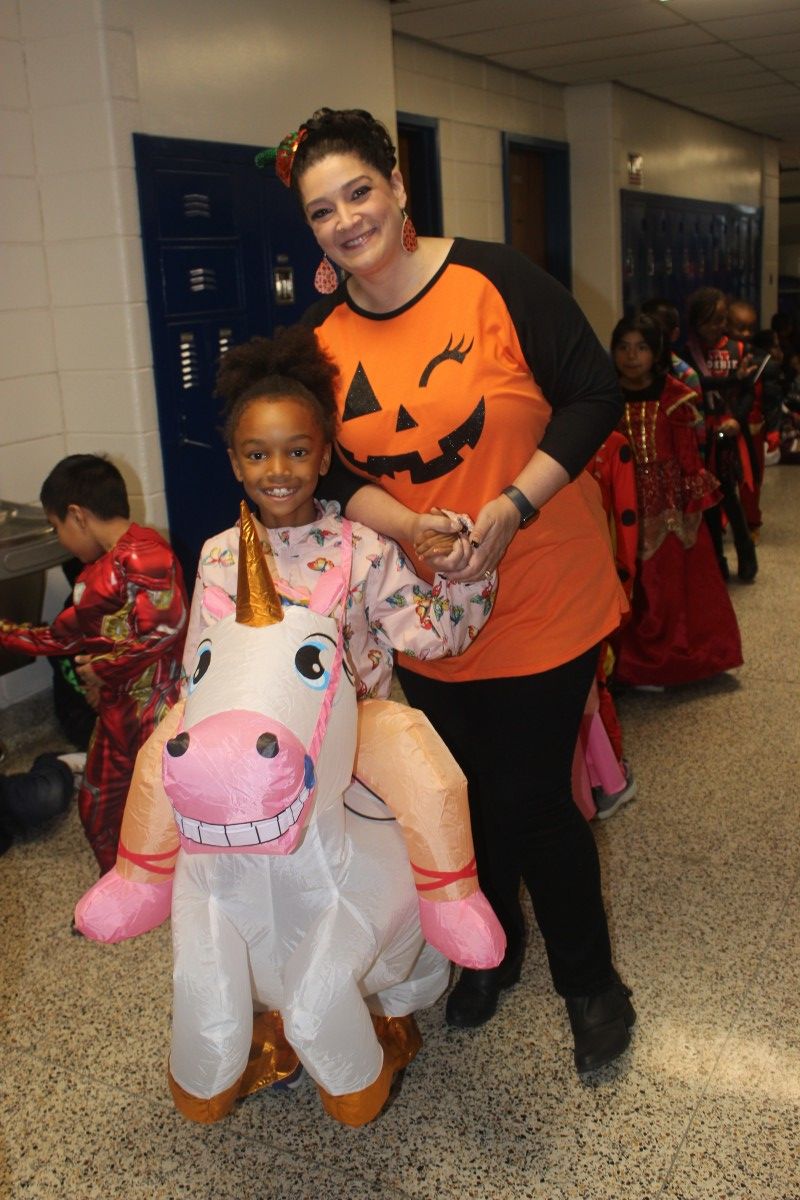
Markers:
744,28
769,44
473,16
708,10
631,21
664,40
721,57
743,79
738,60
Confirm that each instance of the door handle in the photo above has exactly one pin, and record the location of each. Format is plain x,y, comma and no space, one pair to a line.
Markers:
187,441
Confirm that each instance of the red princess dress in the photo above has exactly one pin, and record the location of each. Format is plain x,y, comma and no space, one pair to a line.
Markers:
682,626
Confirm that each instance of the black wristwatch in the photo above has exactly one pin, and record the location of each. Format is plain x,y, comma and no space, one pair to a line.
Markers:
527,511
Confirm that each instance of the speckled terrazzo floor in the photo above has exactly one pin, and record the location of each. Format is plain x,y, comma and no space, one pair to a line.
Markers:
702,876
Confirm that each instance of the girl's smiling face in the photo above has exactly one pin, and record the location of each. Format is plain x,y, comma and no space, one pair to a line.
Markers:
278,452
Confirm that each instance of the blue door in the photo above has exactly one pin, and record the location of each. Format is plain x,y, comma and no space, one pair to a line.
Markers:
228,256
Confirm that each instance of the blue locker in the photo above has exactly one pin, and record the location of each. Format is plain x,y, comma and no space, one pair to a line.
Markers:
228,256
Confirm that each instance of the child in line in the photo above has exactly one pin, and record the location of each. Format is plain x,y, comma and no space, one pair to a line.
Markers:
279,423
665,313
727,397
682,626
602,777
127,620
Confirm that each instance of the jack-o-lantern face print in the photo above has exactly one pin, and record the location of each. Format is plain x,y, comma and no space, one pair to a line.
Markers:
426,456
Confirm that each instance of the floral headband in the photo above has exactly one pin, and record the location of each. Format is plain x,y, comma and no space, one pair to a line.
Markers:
283,155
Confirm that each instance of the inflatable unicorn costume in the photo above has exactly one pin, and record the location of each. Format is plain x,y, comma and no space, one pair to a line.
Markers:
300,907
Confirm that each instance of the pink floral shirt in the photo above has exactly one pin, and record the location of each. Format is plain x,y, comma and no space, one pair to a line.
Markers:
389,607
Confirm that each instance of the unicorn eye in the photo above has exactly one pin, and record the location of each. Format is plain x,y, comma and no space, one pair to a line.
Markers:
312,662
202,664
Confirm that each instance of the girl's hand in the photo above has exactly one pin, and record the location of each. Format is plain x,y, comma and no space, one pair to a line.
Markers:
441,539
495,526
729,427
746,367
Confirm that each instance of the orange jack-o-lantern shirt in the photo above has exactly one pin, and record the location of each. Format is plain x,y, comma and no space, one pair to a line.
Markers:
445,400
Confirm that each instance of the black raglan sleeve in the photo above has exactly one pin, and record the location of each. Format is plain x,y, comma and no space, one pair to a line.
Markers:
566,360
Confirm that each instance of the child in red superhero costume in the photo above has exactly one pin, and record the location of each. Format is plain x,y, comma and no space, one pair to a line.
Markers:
128,621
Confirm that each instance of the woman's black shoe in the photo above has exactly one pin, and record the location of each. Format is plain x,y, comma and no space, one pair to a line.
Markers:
473,1001
601,1025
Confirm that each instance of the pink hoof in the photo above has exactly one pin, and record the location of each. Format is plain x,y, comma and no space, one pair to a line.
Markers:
466,931
114,908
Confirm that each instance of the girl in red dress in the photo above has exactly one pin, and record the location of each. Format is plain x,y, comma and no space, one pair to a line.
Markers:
682,627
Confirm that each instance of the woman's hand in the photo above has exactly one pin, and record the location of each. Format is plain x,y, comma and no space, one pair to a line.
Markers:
496,524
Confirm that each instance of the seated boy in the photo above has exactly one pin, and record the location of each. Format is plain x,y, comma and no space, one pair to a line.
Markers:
128,620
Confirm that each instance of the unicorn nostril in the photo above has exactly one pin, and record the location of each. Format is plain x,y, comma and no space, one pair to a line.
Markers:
267,745
178,745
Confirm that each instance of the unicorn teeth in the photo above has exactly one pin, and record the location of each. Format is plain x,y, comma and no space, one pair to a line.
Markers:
243,833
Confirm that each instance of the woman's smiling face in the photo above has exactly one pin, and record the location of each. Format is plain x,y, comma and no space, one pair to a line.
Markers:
354,212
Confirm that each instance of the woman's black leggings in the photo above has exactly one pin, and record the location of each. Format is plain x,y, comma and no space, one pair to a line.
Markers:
514,739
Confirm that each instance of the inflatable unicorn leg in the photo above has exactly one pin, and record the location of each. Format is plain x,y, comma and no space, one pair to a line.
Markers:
271,1061
135,895
400,1041
212,1022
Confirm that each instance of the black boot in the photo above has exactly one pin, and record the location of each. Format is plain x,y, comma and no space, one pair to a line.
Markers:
473,1001
748,563
601,1025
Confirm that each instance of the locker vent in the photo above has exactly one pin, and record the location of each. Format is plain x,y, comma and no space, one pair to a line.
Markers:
196,204
190,373
202,279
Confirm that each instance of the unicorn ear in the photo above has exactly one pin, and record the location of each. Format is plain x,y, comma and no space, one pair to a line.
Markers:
217,602
329,591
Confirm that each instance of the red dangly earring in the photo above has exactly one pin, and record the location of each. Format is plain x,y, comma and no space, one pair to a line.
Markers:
408,234
326,279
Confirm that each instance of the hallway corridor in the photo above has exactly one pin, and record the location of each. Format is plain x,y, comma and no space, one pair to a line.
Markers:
702,877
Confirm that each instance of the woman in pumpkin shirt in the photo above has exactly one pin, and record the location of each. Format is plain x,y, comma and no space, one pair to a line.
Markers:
470,380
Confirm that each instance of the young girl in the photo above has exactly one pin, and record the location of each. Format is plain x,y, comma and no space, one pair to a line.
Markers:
727,399
602,778
278,423
682,627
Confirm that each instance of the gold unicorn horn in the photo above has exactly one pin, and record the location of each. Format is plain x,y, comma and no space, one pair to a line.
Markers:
257,601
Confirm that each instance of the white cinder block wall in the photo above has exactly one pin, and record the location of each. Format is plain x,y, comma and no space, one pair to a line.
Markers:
77,77
684,154
474,103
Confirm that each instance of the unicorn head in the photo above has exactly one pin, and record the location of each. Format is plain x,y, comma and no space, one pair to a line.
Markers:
245,770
